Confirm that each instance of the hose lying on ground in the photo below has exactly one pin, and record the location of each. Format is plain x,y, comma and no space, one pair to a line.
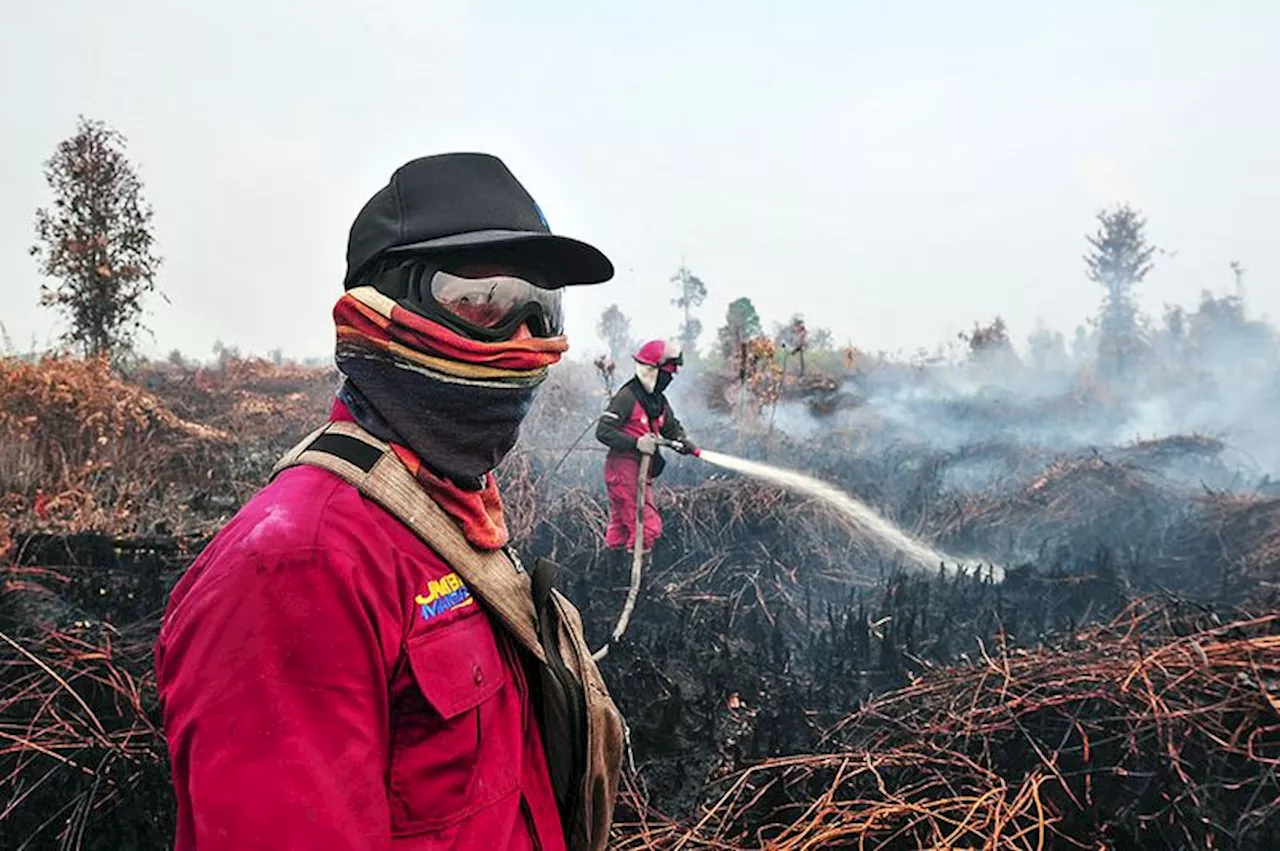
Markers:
637,562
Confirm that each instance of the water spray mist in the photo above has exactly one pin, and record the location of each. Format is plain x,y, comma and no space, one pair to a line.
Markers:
861,515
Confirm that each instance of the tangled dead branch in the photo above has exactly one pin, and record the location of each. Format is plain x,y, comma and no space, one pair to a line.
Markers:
1234,540
1159,730
79,737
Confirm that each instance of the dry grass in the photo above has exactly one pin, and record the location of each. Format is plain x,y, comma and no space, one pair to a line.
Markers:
82,448
1161,729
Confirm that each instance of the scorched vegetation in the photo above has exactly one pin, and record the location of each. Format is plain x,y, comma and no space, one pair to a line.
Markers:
787,682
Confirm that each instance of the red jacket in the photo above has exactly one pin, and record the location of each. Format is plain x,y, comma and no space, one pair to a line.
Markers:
328,682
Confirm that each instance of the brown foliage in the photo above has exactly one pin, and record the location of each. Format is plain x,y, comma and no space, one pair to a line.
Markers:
97,451
96,240
70,425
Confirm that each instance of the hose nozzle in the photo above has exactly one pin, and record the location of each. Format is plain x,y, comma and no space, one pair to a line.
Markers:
677,446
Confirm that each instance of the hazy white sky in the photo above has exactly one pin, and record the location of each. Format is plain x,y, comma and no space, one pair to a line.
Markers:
892,173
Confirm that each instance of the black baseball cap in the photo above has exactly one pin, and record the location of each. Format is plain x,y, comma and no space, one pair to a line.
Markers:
454,202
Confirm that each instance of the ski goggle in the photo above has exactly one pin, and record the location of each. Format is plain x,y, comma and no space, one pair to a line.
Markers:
484,302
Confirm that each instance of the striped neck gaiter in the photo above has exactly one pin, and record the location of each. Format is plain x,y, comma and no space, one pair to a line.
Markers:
450,406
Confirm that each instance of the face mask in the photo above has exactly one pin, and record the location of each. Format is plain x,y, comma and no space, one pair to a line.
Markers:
460,431
648,376
664,380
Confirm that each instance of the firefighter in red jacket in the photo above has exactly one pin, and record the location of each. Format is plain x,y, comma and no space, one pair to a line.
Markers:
327,679
637,416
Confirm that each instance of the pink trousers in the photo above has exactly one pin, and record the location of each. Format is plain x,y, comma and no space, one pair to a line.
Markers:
620,474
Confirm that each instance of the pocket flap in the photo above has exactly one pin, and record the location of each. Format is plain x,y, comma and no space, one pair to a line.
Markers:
458,666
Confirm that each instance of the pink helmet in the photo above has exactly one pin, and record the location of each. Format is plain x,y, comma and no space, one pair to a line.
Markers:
660,353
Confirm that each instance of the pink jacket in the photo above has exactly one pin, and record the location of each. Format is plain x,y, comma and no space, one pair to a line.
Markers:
328,682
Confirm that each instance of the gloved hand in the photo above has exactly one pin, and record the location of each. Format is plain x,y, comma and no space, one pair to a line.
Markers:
647,444
686,447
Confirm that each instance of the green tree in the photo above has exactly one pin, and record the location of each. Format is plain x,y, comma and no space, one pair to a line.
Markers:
1220,332
225,354
692,293
96,242
741,324
614,329
793,338
985,339
1048,349
1119,260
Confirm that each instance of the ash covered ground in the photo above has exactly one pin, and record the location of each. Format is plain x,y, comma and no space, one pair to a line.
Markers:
788,683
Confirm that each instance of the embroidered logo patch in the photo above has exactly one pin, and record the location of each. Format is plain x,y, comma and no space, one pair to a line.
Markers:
443,595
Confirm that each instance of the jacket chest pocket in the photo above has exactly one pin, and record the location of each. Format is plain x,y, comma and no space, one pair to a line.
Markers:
456,729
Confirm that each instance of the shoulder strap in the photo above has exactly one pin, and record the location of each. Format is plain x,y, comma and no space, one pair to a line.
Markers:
368,464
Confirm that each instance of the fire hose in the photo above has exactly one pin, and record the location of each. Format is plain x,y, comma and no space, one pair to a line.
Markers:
637,548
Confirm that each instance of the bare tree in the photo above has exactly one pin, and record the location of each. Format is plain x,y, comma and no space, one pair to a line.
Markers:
96,241
1238,270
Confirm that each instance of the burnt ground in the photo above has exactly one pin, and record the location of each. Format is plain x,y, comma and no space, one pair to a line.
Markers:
768,638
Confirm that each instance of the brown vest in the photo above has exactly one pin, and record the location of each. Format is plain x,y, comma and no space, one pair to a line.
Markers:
583,732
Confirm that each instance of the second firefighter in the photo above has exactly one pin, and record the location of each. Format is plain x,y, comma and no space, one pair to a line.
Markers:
637,417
